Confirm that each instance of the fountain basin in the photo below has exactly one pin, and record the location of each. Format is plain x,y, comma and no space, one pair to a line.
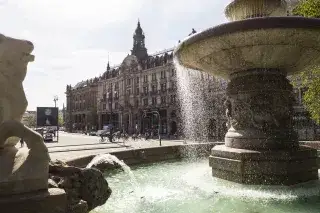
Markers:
187,186
289,44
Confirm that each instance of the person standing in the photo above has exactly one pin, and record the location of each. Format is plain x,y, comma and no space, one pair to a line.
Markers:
21,142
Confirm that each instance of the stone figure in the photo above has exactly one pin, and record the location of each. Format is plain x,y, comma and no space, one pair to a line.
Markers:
21,170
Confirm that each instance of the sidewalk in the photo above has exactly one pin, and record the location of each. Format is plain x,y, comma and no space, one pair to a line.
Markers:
71,152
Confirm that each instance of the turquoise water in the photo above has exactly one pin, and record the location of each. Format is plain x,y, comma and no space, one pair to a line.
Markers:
188,187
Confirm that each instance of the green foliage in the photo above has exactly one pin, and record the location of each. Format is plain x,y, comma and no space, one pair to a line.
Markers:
308,8
60,120
30,121
311,97
311,78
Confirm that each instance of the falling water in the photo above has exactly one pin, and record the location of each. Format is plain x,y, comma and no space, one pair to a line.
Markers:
201,99
111,159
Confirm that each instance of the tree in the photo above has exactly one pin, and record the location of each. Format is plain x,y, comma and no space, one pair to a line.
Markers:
310,79
60,120
308,8
30,121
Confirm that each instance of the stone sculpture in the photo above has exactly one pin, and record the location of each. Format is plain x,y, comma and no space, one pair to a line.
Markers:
21,170
85,188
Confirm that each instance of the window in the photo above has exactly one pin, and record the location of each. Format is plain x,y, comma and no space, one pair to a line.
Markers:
163,74
128,91
154,88
173,72
137,103
128,82
137,80
145,78
173,85
154,76
173,99
116,94
116,105
154,101
145,102
145,90
173,114
163,100
116,85
163,87
104,106
110,106
137,91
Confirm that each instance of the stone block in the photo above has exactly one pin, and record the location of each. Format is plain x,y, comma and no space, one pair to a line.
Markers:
52,201
282,167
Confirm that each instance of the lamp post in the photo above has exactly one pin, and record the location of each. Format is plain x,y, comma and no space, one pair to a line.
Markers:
55,99
159,123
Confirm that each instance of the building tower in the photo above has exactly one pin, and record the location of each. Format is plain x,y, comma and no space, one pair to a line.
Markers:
139,49
108,65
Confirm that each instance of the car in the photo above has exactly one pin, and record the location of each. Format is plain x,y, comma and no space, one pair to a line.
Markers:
48,137
93,133
50,131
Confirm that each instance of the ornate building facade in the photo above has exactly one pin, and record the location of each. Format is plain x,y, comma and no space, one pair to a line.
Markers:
140,93
137,95
81,110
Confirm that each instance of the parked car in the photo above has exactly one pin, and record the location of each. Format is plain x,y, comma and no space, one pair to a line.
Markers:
39,130
93,133
48,137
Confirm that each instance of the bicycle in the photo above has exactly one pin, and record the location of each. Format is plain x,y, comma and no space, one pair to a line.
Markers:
102,139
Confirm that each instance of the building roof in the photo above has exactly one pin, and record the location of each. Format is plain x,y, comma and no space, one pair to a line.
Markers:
80,84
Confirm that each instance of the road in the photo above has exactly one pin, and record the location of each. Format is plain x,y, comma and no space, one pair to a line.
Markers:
73,145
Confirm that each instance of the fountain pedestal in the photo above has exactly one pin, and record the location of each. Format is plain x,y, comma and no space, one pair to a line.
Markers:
259,108
277,167
261,146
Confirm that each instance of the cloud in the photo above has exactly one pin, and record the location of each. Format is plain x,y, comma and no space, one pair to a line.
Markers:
73,38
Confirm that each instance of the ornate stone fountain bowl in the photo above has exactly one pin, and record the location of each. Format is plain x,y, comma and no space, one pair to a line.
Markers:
289,44
256,54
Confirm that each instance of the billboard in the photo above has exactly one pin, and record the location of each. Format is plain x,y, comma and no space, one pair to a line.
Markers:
47,116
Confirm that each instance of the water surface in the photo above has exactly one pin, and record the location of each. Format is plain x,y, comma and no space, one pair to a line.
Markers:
188,187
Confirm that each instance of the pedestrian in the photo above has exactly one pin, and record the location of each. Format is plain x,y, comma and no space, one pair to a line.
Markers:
21,142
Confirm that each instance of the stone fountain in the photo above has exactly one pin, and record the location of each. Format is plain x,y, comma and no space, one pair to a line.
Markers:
24,173
255,52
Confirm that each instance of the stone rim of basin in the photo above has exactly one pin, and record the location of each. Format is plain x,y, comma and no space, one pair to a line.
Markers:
193,53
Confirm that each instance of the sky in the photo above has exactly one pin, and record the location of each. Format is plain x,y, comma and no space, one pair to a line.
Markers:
73,39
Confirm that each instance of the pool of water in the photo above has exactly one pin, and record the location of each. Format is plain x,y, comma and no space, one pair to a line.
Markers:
188,187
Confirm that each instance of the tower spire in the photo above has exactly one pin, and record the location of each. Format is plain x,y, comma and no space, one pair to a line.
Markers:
108,66
139,49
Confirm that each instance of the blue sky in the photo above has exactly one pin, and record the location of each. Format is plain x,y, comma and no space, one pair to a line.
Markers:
73,38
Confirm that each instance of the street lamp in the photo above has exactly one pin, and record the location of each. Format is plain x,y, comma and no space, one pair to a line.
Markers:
55,99
159,123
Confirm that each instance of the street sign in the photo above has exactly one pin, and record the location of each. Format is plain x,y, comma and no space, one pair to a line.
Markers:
47,116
